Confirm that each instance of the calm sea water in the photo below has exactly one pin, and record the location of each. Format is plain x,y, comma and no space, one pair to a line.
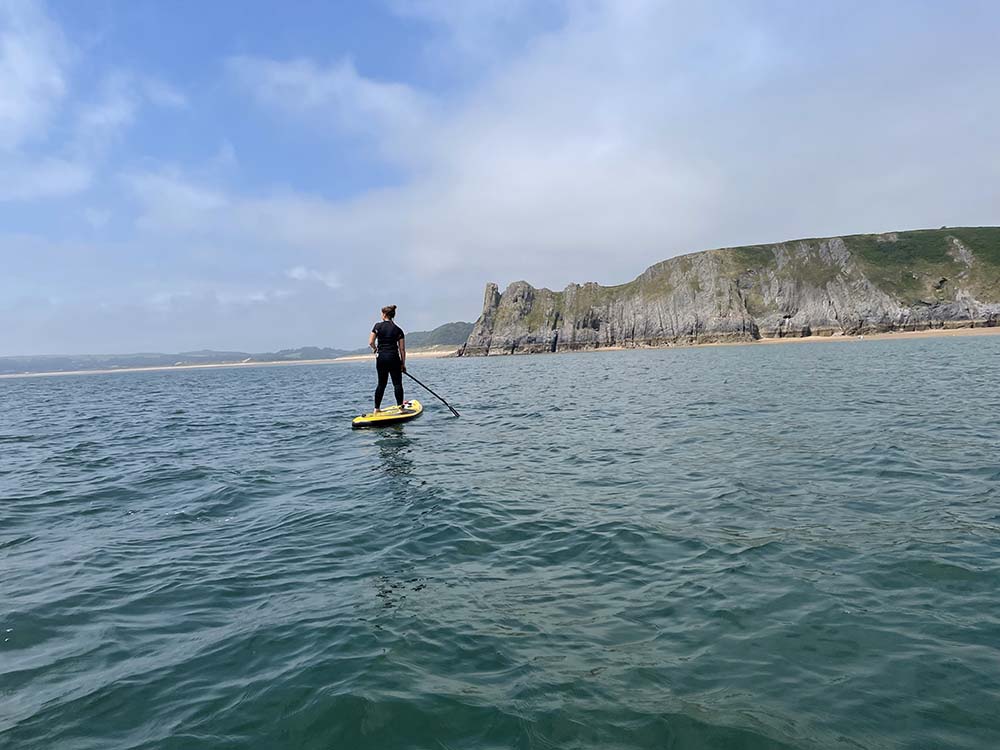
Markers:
743,547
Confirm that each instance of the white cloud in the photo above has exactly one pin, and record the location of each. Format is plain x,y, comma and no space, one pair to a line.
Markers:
44,178
301,273
482,31
122,95
32,77
162,94
172,204
165,301
336,95
33,61
34,90
102,120
639,130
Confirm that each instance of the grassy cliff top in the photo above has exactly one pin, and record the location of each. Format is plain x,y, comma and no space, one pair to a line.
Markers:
903,264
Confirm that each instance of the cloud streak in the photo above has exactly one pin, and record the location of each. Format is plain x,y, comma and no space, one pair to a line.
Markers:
326,278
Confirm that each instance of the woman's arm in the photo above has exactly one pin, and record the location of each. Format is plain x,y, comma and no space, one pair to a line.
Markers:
371,340
402,353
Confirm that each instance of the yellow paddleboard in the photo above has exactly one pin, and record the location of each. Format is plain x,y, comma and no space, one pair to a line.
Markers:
390,415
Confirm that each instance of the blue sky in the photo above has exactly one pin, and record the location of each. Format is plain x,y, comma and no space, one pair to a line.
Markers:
258,175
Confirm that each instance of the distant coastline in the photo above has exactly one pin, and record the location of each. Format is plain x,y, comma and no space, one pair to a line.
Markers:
419,354
449,352
444,339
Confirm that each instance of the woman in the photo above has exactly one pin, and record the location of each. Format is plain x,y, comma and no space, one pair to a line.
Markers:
386,340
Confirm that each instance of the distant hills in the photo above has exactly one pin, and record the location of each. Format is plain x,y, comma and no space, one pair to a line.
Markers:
449,334
854,284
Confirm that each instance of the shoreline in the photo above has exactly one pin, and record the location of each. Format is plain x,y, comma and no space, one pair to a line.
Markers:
926,333
449,352
418,354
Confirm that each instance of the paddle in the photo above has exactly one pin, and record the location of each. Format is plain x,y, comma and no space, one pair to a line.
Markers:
432,393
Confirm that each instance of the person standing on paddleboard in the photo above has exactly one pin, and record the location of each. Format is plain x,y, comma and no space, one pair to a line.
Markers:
386,340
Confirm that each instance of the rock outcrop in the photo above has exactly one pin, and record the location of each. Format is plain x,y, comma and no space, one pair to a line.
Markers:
902,281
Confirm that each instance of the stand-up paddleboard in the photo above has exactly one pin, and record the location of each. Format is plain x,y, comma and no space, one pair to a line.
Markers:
390,415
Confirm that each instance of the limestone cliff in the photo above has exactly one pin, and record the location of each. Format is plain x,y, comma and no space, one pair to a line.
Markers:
817,287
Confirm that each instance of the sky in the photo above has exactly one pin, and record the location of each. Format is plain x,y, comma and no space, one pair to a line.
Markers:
181,175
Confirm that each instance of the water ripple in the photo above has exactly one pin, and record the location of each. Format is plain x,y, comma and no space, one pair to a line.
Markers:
752,547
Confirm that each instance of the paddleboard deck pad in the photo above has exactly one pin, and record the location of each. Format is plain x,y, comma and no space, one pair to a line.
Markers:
390,415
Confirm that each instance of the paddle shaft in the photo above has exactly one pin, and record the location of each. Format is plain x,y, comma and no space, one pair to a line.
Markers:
432,393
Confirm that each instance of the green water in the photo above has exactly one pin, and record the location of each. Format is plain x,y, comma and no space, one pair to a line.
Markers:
743,547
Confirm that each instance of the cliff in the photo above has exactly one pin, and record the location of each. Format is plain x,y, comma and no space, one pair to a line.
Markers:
901,281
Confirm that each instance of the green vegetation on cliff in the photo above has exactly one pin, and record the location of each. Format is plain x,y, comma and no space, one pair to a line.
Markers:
449,334
946,277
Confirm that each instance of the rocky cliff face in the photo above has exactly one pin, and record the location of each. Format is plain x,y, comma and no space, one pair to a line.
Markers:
819,287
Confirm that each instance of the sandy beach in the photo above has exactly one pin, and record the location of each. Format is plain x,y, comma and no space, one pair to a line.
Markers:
417,354
926,334
892,336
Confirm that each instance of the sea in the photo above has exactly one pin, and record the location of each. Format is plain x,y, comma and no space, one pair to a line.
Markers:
746,547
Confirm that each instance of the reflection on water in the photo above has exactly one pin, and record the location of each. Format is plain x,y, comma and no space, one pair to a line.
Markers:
394,449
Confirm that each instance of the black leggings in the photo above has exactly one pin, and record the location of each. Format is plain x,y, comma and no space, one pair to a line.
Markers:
386,365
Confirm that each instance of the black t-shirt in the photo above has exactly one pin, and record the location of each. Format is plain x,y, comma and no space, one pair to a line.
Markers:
387,335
